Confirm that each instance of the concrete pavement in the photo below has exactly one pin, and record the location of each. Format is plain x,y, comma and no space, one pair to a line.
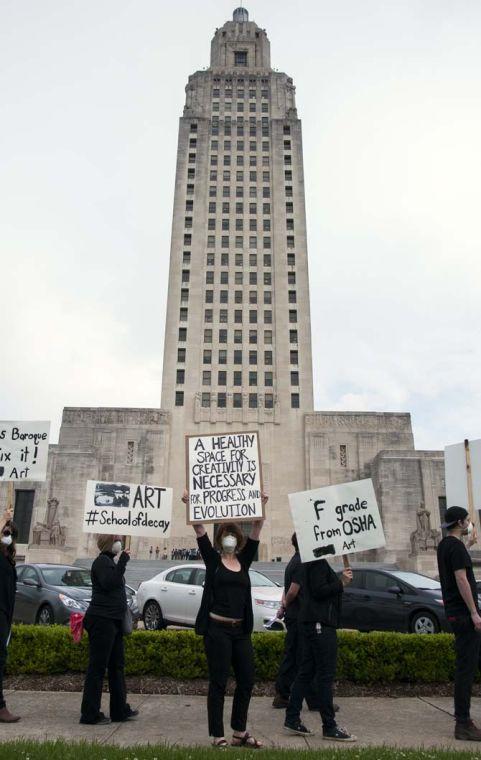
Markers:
181,720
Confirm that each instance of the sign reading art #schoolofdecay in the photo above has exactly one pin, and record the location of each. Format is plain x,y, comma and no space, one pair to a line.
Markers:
336,520
224,477
23,450
127,509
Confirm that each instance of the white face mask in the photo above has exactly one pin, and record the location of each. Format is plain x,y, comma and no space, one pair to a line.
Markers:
229,544
7,540
470,528
116,547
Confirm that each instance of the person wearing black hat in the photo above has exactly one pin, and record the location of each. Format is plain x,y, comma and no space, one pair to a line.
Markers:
460,598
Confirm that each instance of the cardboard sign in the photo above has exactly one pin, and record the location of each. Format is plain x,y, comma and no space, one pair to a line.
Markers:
127,509
224,478
23,450
460,480
336,520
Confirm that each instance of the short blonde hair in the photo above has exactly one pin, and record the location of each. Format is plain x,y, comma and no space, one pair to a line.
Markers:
105,542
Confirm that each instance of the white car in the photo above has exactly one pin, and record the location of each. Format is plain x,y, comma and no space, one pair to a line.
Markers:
173,597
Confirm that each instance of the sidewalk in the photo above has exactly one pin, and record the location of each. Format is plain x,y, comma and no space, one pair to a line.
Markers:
181,720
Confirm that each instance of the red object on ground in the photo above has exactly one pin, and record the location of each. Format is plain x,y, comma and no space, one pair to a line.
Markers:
77,626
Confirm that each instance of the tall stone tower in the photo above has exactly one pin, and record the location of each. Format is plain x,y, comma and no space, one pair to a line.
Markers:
238,342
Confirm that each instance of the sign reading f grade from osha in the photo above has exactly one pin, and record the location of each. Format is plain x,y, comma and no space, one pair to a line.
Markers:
224,477
336,520
127,509
23,450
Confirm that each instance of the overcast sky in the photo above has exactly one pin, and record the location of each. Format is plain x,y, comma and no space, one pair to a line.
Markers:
389,92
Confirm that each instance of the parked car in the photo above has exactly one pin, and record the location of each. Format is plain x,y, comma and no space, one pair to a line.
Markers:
393,600
173,597
47,594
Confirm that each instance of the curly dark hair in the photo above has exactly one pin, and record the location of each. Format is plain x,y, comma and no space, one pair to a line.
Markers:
232,529
10,552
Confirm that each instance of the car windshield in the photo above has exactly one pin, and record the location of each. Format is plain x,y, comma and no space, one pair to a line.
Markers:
67,576
258,579
418,581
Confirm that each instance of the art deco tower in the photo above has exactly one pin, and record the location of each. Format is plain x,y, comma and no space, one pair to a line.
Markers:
237,344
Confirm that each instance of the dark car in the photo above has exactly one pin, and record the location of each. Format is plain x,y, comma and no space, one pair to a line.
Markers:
48,594
393,600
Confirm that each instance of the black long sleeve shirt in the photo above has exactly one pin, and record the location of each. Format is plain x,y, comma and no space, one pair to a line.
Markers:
8,586
108,586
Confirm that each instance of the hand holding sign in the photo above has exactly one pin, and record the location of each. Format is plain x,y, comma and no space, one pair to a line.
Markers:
337,520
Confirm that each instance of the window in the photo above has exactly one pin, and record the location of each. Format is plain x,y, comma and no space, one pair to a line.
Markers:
252,400
187,240
221,400
209,296
292,296
240,106
238,296
239,241
225,208
212,191
252,336
189,206
267,260
253,241
266,176
223,356
181,355
252,107
214,159
213,176
240,58
224,259
190,173
287,160
182,334
208,336
239,260
376,581
343,455
267,242
225,224
267,278
288,192
224,278
268,337
223,315
222,377
294,378
253,259
267,296
206,377
252,357
239,192
252,278
252,378
253,317
268,379
190,189
295,400
179,398
210,241
208,315
226,175
209,277
269,401
266,225
238,317
292,315
224,296
180,376
205,400
237,400
289,224
265,146
239,224
290,241
287,129
289,207
292,336
253,192
294,357
239,207
291,278
183,313
237,356
185,275
291,259
210,260
238,278
184,295
193,127
268,357
207,358
224,241
226,192
222,336
237,339
266,192
212,207
252,296
240,162
267,316
237,378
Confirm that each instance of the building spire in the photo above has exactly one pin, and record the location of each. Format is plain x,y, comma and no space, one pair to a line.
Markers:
240,15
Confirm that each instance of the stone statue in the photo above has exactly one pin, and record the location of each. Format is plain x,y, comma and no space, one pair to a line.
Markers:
49,532
424,538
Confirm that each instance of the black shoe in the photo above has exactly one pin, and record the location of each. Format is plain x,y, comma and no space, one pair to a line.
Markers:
280,702
338,734
297,728
467,732
100,720
131,715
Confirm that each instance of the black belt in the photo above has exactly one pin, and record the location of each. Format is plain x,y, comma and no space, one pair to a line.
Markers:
226,623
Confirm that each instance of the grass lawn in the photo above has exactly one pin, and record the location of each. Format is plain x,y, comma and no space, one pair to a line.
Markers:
60,750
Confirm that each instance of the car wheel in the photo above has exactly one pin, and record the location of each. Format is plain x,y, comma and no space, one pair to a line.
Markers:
153,618
45,615
424,622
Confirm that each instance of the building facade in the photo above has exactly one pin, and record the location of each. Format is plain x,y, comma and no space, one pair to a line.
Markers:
237,352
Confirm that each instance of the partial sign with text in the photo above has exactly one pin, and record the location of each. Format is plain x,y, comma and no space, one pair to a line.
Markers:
337,520
24,450
127,509
224,477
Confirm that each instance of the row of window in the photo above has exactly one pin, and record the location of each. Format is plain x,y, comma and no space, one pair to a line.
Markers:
220,400
238,241
237,378
239,106
239,207
226,193
223,277
240,93
227,145
238,338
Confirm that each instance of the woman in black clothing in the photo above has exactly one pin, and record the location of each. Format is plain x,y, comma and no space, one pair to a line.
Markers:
8,585
225,620
103,622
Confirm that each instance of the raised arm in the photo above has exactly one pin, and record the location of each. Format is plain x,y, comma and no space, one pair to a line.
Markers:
199,529
257,524
6,517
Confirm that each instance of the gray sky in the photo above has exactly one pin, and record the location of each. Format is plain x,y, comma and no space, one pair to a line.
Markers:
390,96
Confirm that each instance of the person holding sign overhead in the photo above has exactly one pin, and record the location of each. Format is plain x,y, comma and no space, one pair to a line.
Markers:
8,585
225,620
104,623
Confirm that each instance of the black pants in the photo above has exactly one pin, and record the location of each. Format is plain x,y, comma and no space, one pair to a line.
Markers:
290,665
467,645
106,652
4,633
318,664
226,647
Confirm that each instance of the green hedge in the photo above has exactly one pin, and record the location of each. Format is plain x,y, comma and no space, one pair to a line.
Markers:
363,657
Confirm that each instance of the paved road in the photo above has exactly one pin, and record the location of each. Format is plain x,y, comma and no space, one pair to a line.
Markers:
403,722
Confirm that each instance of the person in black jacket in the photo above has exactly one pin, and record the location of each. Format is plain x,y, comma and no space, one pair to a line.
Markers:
103,622
319,618
225,620
8,585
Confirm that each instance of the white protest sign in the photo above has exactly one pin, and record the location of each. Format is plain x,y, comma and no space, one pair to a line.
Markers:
23,450
456,459
224,477
128,509
336,520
